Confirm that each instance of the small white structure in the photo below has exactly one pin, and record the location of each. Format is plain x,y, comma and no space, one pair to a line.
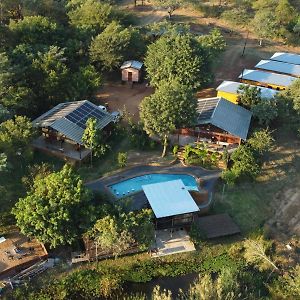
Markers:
131,71
2,239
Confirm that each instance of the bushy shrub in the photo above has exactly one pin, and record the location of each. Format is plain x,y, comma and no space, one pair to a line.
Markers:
122,159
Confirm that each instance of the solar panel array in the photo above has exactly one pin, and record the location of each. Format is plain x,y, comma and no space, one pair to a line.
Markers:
206,108
81,114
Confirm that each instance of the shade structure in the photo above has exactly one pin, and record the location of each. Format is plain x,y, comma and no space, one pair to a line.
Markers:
267,78
169,198
279,67
290,58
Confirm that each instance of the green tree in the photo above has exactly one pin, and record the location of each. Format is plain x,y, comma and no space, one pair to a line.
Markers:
109,48
285,13
93,138
110,236
52,75
90,14
244,165
140,225
177,56
261,141
53,210
249,96
171,106
265,23
35,30
265,111
214,43
5,74
293,93
15,136
85,82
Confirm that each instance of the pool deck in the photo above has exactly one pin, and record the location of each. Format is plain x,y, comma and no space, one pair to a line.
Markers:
139,199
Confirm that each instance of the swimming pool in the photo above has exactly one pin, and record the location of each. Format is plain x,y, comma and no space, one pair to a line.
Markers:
133,185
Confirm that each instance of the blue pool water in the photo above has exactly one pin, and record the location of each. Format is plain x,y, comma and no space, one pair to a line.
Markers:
133,185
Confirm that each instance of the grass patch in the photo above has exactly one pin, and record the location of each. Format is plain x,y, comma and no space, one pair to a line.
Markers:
247,204
105,164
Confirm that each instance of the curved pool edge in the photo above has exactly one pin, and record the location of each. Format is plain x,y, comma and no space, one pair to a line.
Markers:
131,168
149,173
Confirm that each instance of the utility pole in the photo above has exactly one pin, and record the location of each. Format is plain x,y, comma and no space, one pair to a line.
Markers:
245,43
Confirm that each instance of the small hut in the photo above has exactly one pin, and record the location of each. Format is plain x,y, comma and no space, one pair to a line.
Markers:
131,71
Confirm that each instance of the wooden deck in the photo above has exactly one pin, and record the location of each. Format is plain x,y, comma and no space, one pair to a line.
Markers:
217,226
66,151
18,252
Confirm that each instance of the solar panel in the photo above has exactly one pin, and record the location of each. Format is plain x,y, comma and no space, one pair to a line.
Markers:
81,114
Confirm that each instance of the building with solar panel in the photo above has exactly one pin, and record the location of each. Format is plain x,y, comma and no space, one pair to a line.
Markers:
63,127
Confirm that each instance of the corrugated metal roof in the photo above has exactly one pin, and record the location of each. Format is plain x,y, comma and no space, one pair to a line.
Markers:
278,66
290,58
132,64
70,118
169,198
57,112
69,129
226,115
233,87
267,77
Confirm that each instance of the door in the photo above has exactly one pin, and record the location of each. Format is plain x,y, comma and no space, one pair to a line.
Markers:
129,76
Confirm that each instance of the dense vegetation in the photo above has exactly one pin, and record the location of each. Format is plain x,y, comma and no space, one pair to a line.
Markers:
271,19
55,51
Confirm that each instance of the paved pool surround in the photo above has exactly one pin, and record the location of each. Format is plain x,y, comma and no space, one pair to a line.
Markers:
139,199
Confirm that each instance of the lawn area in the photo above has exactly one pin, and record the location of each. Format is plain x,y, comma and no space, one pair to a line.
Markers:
251,204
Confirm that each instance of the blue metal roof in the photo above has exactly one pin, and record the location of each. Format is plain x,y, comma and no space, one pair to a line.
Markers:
278,66
267,77
290,58
225,115
169,198
132,64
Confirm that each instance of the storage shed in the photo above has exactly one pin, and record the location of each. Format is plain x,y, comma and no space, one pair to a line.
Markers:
290,58
279,67
267,79
229,91
131,71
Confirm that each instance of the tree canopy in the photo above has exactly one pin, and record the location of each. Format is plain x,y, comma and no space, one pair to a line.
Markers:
171,106
110,47
53,211
15,135
177,56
